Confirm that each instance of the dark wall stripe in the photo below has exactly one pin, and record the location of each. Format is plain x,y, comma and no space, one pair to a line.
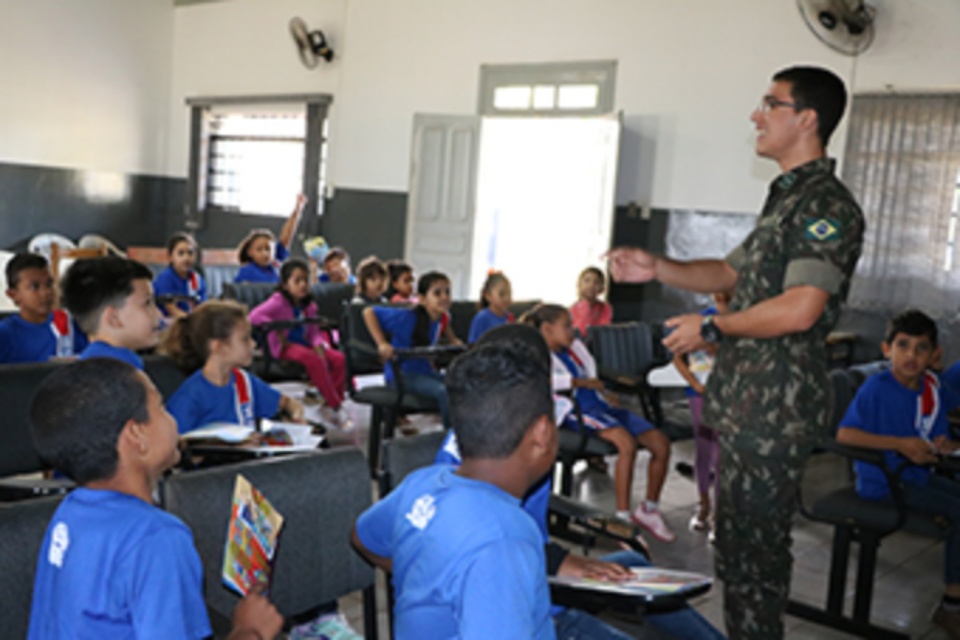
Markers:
129,209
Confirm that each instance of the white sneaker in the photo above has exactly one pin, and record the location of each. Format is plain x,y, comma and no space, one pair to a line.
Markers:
332,626
653,522
699,524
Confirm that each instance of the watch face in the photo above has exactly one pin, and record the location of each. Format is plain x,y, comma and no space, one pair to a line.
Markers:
709,331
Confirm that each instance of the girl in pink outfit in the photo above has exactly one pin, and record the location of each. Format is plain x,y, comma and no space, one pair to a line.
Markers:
590,310
306,344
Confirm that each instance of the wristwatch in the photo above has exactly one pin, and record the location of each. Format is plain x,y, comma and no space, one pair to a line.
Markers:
710,332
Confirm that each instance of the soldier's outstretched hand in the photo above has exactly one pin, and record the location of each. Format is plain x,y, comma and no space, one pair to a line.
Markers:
629,264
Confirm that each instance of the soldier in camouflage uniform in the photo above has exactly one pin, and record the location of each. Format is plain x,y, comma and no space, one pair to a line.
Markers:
769,396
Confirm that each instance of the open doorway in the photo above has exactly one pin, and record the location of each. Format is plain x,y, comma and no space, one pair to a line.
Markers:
545,200
527,187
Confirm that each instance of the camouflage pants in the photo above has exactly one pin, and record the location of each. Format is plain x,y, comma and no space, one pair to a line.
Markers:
756,501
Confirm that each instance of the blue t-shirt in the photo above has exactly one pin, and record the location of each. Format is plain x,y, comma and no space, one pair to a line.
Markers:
468,562
885,407
169,282
484,321
100,349
198,402
252,272
398,323
113,566
325,277
951,387
297,335
22,341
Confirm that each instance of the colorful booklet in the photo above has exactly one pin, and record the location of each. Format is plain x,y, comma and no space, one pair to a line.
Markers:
251,538
647,583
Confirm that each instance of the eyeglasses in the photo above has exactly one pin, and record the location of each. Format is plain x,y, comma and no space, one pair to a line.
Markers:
769,103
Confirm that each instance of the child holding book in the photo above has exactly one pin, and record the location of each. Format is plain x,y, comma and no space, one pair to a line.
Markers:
112,564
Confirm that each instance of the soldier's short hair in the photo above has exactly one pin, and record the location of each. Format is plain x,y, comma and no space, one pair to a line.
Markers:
818,89
914,323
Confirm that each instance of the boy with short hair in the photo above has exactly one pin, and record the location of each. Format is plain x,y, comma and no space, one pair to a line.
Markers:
900,411
38,332
112,299
336,267
112,564
467,562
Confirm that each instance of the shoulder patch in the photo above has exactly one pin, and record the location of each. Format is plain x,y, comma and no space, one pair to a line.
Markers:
823,229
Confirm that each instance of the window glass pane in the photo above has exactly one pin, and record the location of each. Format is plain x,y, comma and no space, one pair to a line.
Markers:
256,162
578,96
512,97
544,96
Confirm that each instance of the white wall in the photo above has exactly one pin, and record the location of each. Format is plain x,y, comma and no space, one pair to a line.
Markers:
85,84
244,47
689,74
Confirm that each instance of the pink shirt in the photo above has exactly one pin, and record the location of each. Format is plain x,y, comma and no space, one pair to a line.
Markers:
276,307
586,314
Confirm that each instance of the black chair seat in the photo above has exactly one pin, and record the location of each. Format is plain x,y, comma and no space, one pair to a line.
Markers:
844,505
571,441
272,370
388,396
13,489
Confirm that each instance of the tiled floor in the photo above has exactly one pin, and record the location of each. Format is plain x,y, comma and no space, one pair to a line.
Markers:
908,573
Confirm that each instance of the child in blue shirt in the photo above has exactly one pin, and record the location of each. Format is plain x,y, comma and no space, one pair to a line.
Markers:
112,564
900,411
495,301
112,300
260,256
467,562
335,267
423,325
371,281
38,332
213,343
574,624
180,278
574,368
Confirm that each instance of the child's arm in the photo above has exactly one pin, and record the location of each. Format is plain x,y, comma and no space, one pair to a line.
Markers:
378,561
293,408
916,450
680,362
173,310
588,383
286,233
451,336
376,332
255,618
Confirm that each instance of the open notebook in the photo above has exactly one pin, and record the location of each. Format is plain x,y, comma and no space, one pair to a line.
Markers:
648,583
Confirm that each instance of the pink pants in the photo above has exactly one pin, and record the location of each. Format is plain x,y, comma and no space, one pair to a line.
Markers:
707,448
328,372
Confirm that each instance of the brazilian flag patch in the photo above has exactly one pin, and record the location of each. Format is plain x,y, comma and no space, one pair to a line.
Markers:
823,229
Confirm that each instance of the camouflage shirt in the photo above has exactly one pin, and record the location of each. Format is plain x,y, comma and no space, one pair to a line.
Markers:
774,393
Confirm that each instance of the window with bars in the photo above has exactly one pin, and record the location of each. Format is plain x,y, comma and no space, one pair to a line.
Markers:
253,155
